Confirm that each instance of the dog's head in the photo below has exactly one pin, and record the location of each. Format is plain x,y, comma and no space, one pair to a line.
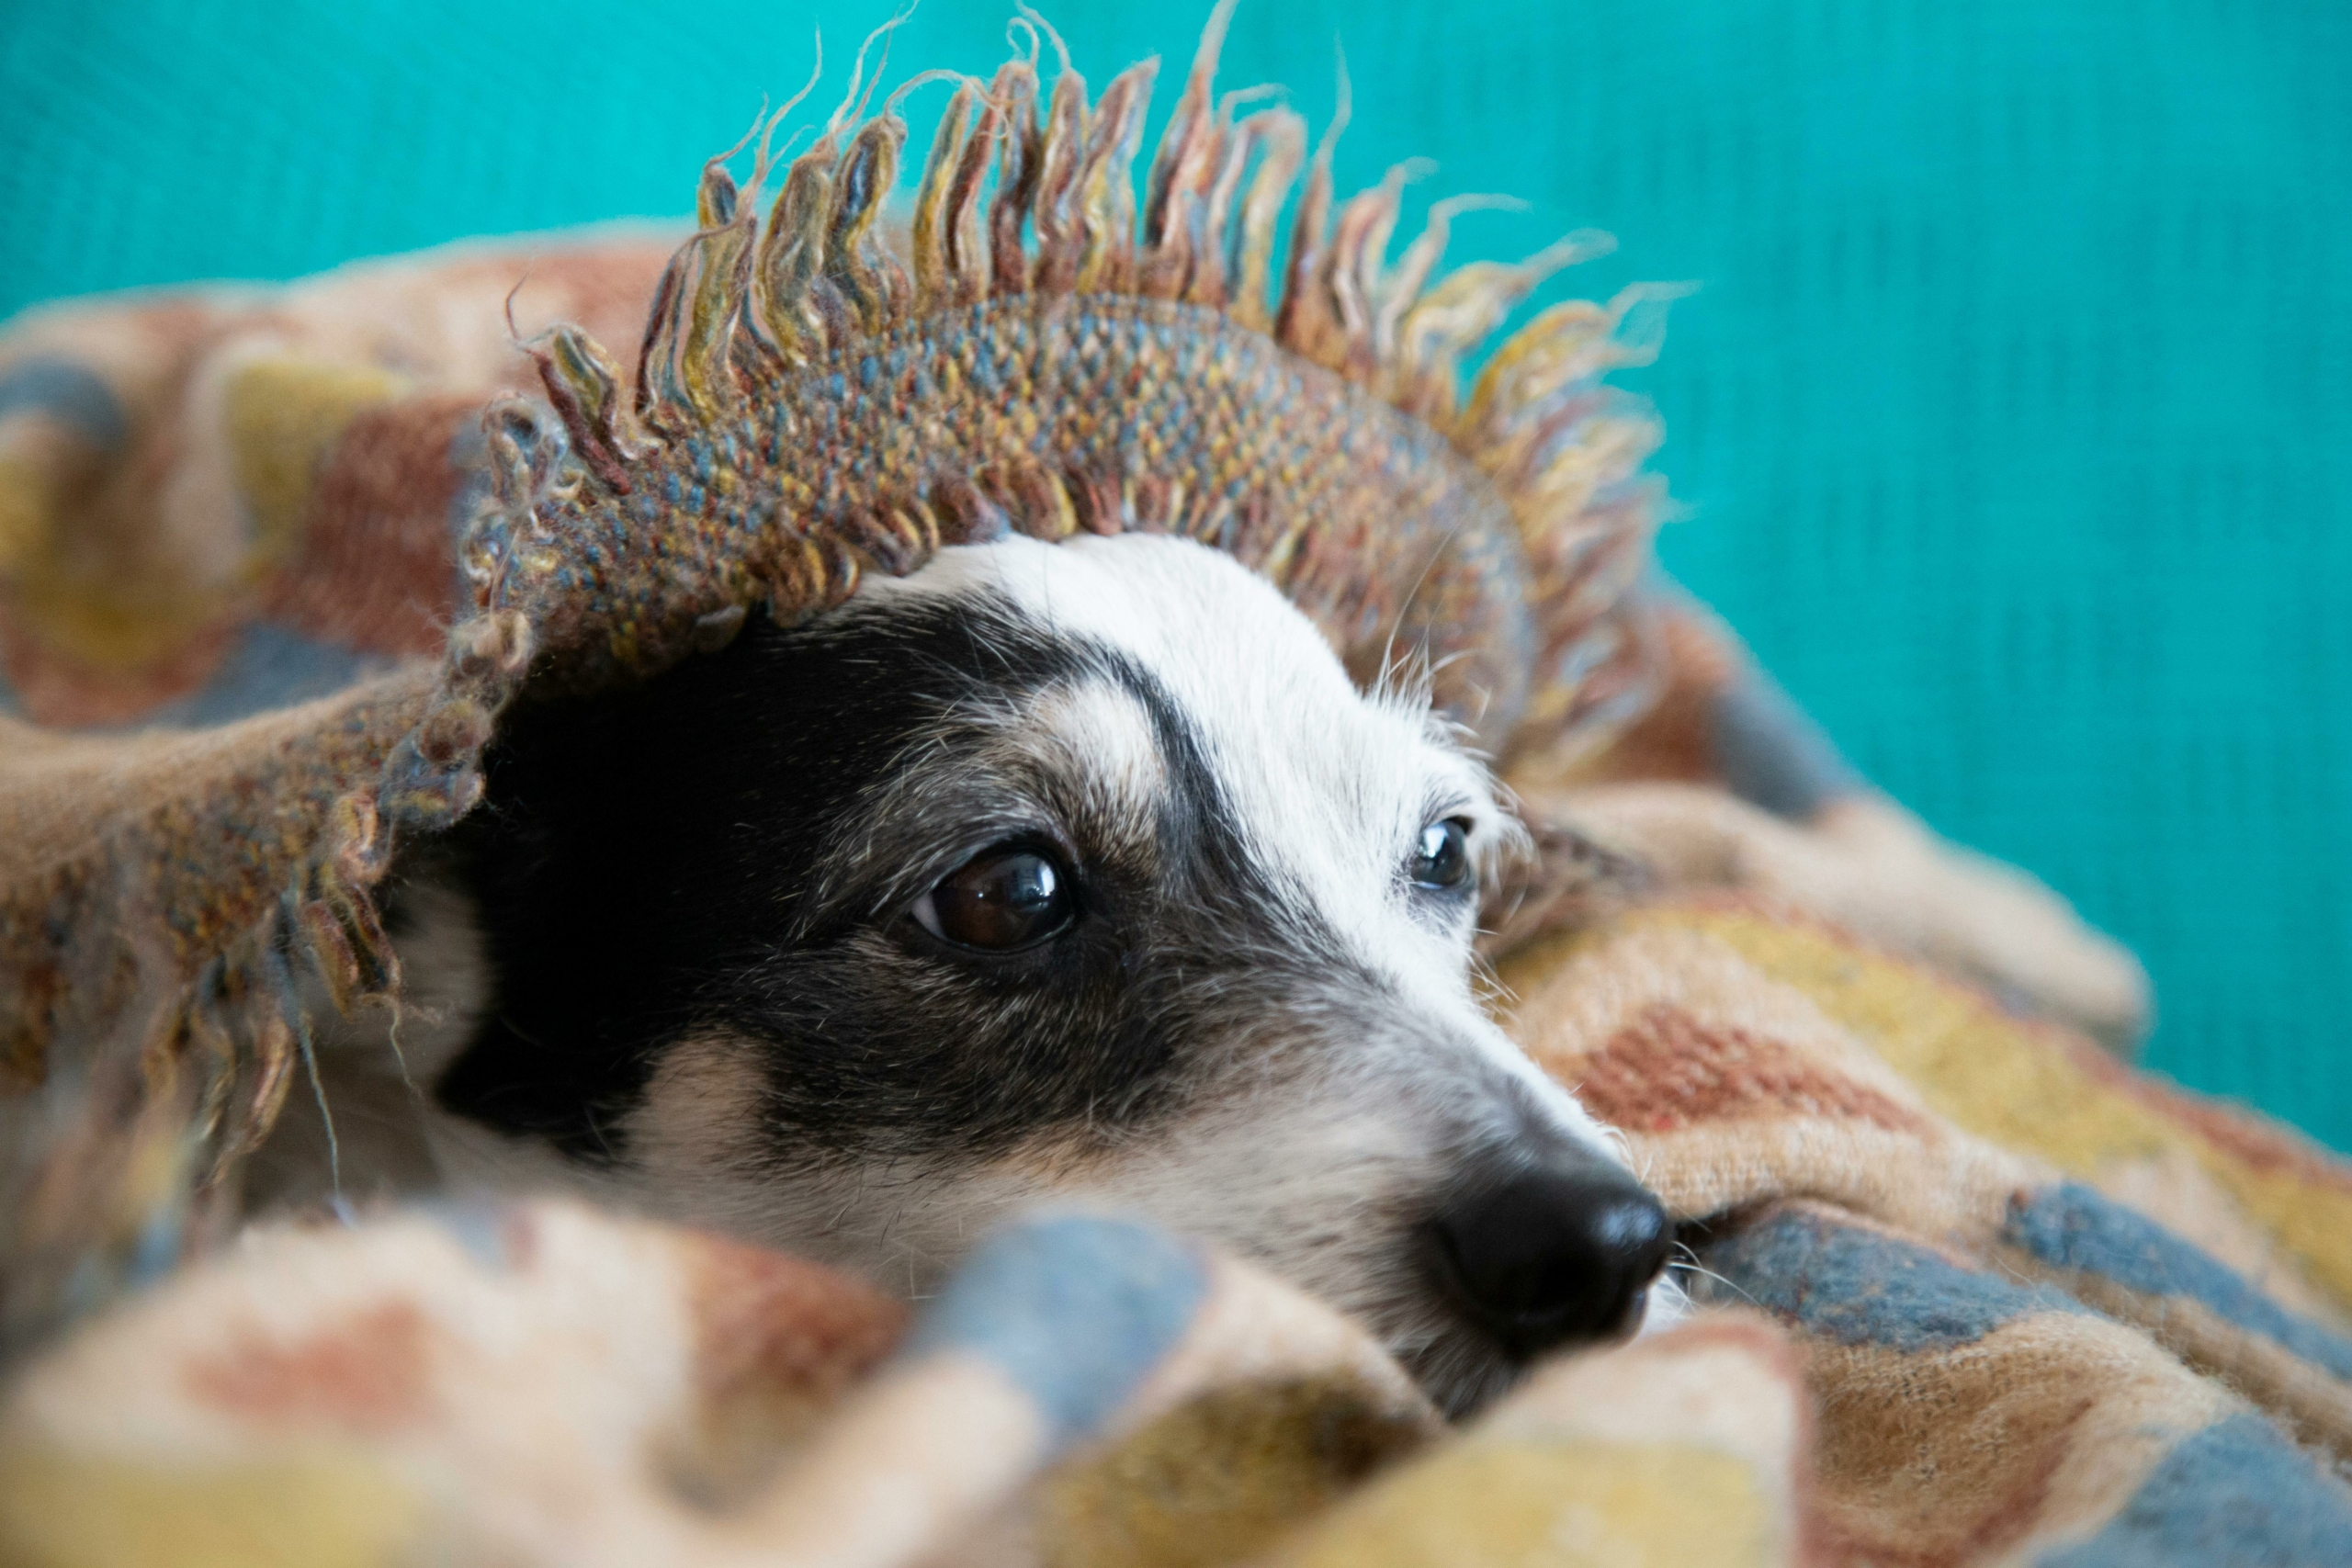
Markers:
1076,871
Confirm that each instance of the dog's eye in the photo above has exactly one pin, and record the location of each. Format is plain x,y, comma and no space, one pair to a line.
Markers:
1442,860
997,902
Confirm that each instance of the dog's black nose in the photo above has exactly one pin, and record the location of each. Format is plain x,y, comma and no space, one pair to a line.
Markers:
1551,1252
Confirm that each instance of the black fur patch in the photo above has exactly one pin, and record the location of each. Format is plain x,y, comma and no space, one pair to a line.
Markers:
707,855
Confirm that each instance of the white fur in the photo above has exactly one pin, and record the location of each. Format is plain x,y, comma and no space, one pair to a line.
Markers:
1332,785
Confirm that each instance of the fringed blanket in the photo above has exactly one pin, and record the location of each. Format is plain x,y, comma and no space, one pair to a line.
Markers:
274,564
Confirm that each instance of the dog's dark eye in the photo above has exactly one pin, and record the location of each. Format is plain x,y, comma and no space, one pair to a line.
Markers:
1442,860
997,901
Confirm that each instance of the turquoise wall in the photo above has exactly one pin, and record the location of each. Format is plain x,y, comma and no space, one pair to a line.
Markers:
2012,417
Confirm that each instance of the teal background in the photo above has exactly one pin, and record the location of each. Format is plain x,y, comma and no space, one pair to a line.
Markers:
2012,417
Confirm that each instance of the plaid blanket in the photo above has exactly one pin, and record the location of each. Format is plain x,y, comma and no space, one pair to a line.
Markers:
1968,1289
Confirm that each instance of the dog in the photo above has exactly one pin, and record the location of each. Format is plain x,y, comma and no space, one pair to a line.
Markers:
1074,872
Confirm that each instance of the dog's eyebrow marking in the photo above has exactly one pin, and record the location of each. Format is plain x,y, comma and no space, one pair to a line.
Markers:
1099,732
1082,749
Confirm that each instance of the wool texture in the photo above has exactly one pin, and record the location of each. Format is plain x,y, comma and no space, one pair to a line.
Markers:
1944,1315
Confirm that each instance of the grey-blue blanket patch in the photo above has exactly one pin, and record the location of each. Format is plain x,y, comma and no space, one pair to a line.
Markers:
160,1246
70,393
484,1229
2071,1227
1859,1287
2236,1493
1771,752
469,454
1075,1310
268,667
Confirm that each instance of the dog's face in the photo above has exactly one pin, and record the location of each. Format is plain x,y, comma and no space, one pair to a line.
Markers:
1076,871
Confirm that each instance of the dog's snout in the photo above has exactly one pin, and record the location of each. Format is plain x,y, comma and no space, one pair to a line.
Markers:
1556,1251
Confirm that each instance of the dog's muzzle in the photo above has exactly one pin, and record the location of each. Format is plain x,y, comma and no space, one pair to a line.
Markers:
1542,1251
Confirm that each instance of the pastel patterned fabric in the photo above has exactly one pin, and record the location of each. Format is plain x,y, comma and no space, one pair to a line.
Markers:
1948,1312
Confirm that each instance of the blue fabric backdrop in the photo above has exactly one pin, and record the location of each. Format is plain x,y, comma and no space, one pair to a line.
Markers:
2012,417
